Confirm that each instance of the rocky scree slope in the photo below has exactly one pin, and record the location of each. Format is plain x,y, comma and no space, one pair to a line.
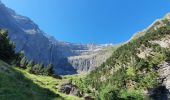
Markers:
68,58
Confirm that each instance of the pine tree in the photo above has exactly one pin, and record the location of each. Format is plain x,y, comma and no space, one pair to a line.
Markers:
23,62
37,69
48,70
30,65
7,52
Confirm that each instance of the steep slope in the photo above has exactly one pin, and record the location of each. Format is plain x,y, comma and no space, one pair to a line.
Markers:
49,83
155,25
136,70
18,83
40,47
14,86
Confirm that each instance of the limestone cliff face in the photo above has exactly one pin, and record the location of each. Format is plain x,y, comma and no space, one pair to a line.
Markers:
68,58
90,61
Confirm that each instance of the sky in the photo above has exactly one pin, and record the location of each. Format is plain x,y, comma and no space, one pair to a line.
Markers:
91,21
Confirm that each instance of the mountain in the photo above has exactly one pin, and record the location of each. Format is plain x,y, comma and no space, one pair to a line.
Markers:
137,70
67,58
19,83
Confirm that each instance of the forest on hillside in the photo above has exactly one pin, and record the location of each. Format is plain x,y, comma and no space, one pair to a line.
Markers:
125,75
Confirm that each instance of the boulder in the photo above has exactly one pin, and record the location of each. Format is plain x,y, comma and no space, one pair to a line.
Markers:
70,89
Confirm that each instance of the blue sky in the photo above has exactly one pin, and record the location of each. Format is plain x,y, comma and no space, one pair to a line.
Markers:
91,21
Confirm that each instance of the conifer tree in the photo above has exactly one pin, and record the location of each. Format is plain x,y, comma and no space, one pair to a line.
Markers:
49,69
7,52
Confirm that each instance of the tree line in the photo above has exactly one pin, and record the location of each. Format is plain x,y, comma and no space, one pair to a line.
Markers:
8,54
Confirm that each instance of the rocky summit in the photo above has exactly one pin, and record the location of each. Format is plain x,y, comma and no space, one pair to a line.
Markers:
67,58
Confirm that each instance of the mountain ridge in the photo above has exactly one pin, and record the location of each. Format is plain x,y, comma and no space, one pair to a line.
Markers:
156,24
137,70
41,48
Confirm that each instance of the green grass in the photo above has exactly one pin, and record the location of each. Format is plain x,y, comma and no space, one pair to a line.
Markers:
15,86
18,84
49,83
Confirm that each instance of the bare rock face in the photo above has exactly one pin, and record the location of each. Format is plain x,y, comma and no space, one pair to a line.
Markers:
162,92
163,42
90,60
164,73
68,58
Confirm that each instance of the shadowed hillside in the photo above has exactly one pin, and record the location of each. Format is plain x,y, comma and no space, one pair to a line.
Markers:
15,86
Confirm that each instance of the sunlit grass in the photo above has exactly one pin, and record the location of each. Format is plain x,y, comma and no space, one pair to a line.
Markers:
15,86
49,83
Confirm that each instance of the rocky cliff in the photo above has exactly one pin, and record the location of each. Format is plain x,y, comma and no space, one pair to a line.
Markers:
68,58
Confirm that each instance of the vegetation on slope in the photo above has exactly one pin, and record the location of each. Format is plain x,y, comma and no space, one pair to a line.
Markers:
35,68
125,75
48,82
7,54
28,81
15,86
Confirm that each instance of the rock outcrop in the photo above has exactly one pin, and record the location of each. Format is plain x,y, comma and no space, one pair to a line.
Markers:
164,73
68,58
70,89
162,91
